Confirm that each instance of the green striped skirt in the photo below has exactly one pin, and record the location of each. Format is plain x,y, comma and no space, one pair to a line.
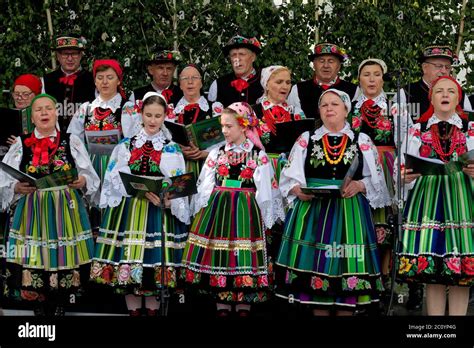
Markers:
128,251
328,255
382,216
100,162
225,254
278,161
438,233
194,167
49,241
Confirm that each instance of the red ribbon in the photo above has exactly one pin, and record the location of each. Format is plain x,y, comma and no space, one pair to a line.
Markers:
68,80
190,107
40,149
239,85
167,93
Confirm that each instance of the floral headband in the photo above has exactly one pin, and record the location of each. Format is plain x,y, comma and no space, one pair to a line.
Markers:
245,114
166,56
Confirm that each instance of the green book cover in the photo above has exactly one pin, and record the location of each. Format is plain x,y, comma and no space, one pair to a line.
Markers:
429,166
59,178
206,133
138,185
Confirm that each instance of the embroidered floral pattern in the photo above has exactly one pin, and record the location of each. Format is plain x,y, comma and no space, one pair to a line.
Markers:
318,158
138,158
355,283
59,162
372,116
318,283
108,123
248,164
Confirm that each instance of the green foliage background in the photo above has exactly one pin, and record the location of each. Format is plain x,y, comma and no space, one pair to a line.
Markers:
130,31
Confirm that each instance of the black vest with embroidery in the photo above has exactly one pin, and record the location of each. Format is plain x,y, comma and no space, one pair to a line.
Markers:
309,94
189,116
145,160
61,159
70,97
378,136
112,121
332,171
236,168
176,95
226,94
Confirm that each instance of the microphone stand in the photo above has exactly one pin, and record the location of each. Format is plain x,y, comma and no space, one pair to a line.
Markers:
164,291
398,222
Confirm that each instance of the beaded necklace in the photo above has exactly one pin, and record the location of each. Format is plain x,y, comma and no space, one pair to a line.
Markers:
334,150
452,134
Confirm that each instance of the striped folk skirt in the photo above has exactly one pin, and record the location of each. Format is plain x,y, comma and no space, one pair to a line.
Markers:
100,162
225,254
328,256
128,254
438,233
49,243
383,226
278,161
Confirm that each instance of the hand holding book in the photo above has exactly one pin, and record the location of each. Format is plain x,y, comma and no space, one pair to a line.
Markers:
24,188
469,170
302,196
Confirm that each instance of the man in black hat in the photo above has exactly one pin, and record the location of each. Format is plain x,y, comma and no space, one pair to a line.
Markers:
327,60
243,84
161,68
435,61
70,84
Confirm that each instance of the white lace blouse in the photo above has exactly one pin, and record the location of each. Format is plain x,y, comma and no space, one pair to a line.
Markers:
171,164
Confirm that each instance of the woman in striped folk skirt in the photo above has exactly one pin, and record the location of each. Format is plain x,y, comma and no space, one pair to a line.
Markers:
128,253
50,237
226,253
328,257
370,115
102,114
438,233
273,108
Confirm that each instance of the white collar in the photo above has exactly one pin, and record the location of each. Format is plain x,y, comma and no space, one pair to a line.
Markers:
157,139
246,78
380,100
320,132
157,89
39,136
267,104
455,120
246,146
112,104
68,74
330,83
202,102
426,83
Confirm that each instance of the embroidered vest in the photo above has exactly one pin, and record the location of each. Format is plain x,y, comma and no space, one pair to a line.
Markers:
61,160
322,169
